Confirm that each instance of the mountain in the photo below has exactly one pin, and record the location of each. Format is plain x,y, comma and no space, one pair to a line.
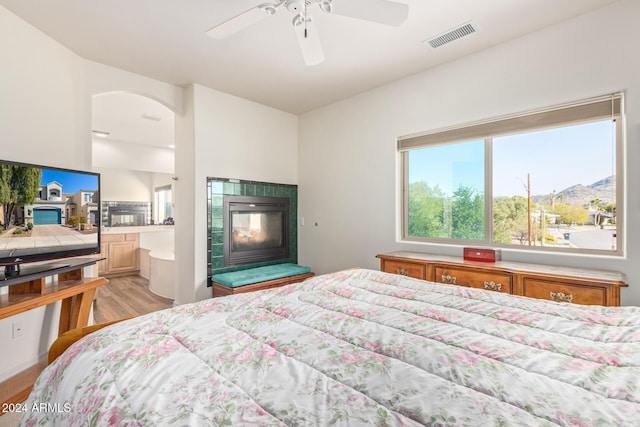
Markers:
579,194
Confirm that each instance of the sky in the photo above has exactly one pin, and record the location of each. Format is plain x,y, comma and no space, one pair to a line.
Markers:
72,182
555,159
449,166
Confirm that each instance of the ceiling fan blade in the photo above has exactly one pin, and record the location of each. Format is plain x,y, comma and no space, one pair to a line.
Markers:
242,21
385,12
309,40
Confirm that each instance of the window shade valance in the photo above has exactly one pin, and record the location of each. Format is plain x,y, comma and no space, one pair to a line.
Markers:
594,109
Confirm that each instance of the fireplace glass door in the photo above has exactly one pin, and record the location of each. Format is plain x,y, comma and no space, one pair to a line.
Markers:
256,229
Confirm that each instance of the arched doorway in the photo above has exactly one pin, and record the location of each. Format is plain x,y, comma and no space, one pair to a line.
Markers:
133,146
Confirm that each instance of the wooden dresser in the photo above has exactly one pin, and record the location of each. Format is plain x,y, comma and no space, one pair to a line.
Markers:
562,284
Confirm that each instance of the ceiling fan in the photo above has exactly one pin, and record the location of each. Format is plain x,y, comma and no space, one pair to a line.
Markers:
385,12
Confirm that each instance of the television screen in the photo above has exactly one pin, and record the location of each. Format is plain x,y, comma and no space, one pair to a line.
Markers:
47,213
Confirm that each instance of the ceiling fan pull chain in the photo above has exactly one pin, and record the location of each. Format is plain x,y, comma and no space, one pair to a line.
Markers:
305,19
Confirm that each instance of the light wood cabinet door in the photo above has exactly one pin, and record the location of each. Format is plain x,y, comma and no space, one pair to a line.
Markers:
123,256
121,253
103,266
489,280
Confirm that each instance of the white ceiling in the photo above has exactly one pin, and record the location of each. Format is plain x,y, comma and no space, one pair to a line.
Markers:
133,119
165,40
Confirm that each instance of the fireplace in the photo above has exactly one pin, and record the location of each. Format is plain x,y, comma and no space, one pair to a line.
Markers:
256,229
125,214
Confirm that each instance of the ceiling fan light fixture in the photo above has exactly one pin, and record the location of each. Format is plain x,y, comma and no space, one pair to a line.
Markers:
270,8
326,6
295,6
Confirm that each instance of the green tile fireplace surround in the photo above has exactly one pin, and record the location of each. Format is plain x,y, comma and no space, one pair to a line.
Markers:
217,188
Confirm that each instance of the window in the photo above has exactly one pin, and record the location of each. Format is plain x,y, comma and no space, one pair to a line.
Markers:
545,180
163,209
87,197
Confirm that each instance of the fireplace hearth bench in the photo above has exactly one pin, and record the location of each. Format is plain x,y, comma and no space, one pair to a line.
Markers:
259,278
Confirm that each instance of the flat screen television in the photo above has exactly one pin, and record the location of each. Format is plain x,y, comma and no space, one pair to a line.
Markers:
46,213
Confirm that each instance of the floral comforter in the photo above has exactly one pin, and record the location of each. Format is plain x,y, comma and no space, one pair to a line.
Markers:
353,348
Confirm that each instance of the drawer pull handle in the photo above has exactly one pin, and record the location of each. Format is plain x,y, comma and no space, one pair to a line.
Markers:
492,286
561,297
402,272
449,279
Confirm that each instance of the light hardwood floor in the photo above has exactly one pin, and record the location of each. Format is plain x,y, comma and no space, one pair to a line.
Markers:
126,296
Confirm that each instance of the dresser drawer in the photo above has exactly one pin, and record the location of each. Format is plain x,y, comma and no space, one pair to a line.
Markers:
493,281
405,268
563,292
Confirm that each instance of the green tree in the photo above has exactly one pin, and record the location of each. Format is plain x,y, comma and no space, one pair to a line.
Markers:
552,199
467,214
426,211
510,220
570,214
19,185
611,208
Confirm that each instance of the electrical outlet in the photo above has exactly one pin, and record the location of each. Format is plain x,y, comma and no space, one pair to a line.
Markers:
17,329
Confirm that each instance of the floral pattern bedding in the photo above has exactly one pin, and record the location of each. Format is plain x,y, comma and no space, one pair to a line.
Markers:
353,348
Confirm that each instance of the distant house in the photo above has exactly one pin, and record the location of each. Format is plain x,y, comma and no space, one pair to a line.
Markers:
596,217
54,207
48,208
83,204
549,218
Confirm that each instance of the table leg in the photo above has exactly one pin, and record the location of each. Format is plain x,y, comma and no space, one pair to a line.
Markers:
74,311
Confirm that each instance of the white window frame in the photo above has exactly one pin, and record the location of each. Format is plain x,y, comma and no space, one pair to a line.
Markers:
590,110
156,195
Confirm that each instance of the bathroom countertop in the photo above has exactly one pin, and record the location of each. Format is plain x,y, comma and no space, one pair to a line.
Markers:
139,229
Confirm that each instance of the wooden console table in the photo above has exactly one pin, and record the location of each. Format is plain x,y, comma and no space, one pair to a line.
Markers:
561,284
71,287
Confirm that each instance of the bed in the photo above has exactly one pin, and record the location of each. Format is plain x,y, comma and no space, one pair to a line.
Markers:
353,348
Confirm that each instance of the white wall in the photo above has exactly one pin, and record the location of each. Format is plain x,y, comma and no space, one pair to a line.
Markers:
125,185
348,168
130,185
127,156
39,123
226,137
40,93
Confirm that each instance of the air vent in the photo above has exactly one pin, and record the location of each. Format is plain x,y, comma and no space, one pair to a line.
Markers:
451,35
